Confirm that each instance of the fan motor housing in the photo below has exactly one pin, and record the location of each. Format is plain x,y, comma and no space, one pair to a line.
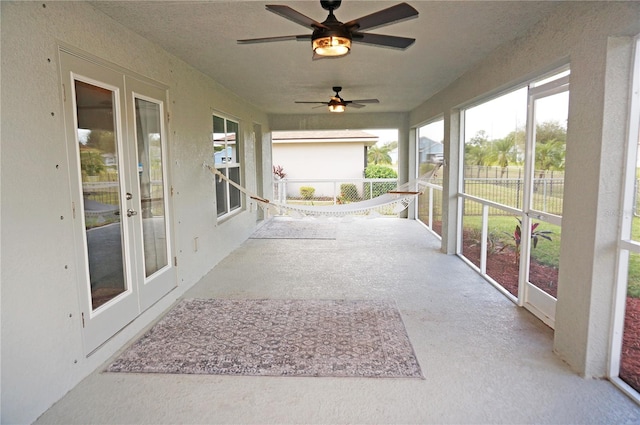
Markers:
330,4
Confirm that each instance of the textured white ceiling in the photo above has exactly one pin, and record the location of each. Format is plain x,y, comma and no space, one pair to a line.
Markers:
451,36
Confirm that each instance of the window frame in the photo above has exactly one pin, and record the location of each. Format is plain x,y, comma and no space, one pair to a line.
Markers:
627,245
232,198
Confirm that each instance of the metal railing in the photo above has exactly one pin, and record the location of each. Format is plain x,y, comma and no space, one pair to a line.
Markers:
429,210
547,193
330,191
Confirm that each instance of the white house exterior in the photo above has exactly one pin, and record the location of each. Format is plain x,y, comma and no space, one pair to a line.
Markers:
313,155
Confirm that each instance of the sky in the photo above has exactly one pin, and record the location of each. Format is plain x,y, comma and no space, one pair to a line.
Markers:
508,113
384,136
497,117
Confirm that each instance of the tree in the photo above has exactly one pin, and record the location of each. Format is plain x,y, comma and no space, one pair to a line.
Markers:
391,145
476,155
550,130
519,138
551,138
476,151
501,152
550,156
379,154
101,140
480,139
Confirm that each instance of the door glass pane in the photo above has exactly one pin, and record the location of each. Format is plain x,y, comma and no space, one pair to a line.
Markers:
630,350
551,115
545,257
630,359
101,191
635,223
151,180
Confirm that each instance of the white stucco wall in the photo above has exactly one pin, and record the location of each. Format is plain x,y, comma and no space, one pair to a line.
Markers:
578,34
42,354
319,161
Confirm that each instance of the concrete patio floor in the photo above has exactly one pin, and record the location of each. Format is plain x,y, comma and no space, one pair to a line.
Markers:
484,359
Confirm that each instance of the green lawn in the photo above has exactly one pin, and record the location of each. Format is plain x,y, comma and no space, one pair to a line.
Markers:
501,229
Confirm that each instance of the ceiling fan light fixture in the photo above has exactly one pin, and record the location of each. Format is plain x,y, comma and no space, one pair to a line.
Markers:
332,45
336,108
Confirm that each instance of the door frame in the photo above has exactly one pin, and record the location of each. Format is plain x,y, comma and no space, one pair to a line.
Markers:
154,287
541,304
102,323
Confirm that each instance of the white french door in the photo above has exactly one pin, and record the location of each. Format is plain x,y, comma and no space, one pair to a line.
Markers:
116,136
548,105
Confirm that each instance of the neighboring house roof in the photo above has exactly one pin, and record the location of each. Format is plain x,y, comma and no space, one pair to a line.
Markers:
430,146
330,136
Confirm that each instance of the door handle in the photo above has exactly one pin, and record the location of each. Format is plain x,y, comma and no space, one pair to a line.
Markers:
131,212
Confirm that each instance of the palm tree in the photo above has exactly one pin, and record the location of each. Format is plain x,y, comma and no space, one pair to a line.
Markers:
550,156
379,154
477,155
501,153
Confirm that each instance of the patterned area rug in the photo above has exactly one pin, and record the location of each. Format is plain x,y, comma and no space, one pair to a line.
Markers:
276,338
296,229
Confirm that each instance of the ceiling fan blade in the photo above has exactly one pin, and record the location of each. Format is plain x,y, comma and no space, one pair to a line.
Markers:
355,105
364,101
383,40
304,37
294,16
322,103
387,16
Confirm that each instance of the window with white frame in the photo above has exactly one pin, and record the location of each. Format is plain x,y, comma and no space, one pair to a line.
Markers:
226,153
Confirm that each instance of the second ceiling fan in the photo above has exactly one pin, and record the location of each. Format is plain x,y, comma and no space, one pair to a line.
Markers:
338,104
333,38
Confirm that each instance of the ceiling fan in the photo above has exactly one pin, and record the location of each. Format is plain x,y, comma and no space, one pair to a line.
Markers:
338,104
333,38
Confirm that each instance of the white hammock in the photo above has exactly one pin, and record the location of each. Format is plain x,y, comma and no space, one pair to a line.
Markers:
396,200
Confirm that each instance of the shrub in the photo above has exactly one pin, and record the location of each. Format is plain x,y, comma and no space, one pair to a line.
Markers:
380,172
348,192
307,192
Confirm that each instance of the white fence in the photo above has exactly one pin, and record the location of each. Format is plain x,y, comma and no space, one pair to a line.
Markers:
331,190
